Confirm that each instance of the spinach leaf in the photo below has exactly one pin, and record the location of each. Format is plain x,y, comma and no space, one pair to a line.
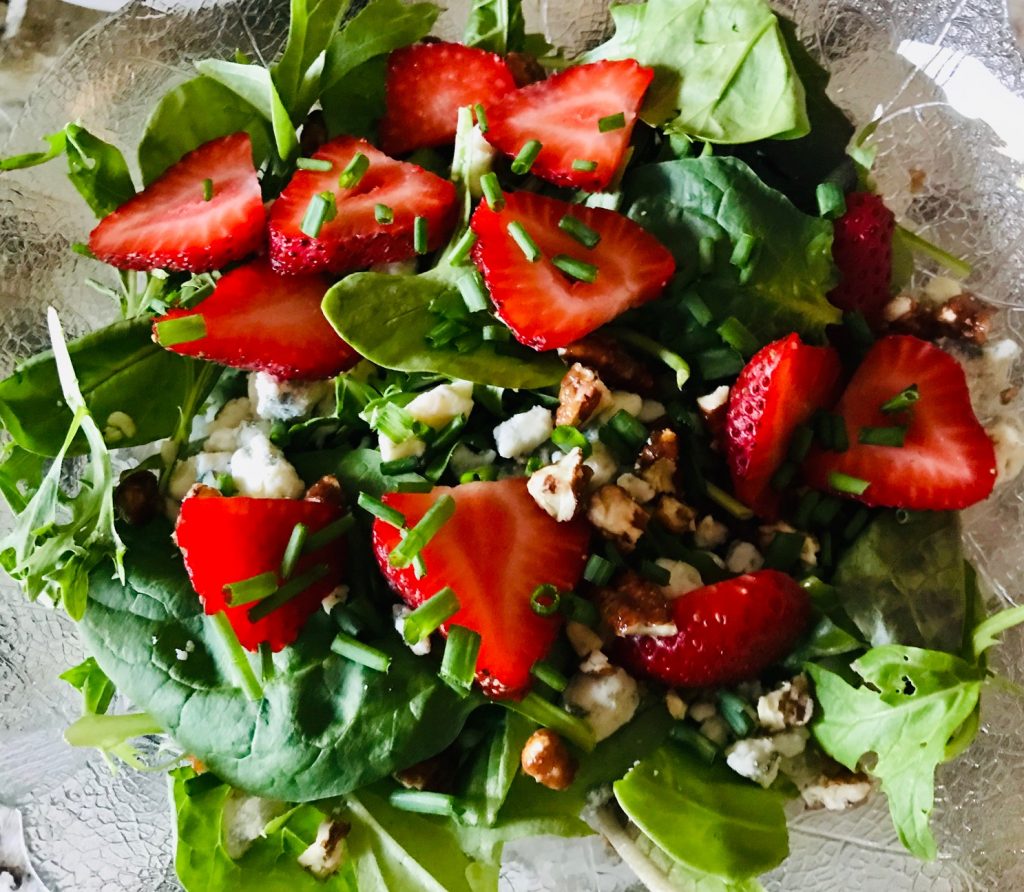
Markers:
491,777
734,829
325,727
496,25
96,689
193,113
722,70
904,583
120,370
783,284
270,864
358,470
387,319
311,26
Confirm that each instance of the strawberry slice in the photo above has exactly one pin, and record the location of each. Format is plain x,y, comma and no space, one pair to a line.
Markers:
947,461
355,239
170,224
778,390
427,85
545,307
258,320
862,249
494,551
728,632
564,113
226,540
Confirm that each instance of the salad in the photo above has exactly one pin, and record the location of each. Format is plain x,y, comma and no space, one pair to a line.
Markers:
494,444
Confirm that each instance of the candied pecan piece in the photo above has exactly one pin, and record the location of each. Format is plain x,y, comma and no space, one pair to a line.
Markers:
546,759
634,606
581,395
612,362
617,516
658,461
559,488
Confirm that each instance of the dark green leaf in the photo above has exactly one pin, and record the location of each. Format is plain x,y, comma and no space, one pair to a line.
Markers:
358,470
311,26
98,171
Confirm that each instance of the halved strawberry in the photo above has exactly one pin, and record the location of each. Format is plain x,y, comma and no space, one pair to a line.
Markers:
862,249
545,307
778,390
728,632
427,85
564,113
355,239
170,225
258,320
947,461
226,540
494,551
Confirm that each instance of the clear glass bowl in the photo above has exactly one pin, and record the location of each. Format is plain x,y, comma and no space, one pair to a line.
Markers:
947,81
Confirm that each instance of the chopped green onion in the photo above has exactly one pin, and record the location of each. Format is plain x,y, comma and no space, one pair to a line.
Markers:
579,610
399,465
856,524
719,362
182,330
655,573
629,428
652,348
462,248
296,542
522,163
706,254
248,591
226,484
481,117
575,269
545,600
394,422
353,649
419,536
533,464
354,171
539,710
458,666
383,214
381,511
693,740
784,476
577,229
584,165
415,483
496,333
903,400
598,570
491,189
291,589
547,674
445,332
430,616
800,445
738,336
697,308
330,533
831,201
321,209
524,240
239,658
420,235
743,250
424,802
611,122
805,508
474,292
846,483
784,551
419,566
883,436
207,189
484,472
566,438
320,164
731,504
737,713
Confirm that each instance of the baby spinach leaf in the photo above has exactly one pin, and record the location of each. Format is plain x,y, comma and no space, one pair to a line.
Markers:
325,727
311,26
783,284
496,25
358,470
120,370
491,777
96,689
387,319
733,829
722,70
904,583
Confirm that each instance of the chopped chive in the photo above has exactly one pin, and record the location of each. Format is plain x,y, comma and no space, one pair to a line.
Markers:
800,445
226,484
857,523
383,214
577,229
805,508
354,171
420,535
419,566
445,332
655,573
848,484
579,610
320,164
652,348
522,163
481,117
825,511
784,551
902,401
539,710
330,533
613,555
738,336
496,333
420,235
533,464
474,292
730,503
424,802
566,438
611,122
463,247
859,331
883,436
831,201
394,422
296,542
584,165
248,591
576,269
415,483
693,740
524,240
629,428
736,712
784,476
448,434
430,616
321,209
484,472
743,250
545,600
706,254
291,589
353,649
239,658
381,511
697,308
491,189
458,666
399,465
598,570
182,330
547,674
207,189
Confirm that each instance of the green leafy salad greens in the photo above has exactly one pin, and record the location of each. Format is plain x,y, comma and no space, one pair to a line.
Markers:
290,780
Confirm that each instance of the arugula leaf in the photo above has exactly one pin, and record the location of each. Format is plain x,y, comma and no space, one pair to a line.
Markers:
311,26
722,70
326,725
387,319
734,829
120,370
783,287
496,25
904,583
97,690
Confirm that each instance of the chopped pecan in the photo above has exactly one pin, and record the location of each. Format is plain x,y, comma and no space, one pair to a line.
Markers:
559,488
787,706
581,395
918,178
1008,395
615,365
525,68
327,490
658,461
617,516
634,606
436,774
963,318
677,517
546,759
714,407
138,498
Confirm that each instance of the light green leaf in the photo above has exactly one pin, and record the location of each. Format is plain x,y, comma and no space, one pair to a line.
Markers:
987,633
97,690
56,142
496,26
98,171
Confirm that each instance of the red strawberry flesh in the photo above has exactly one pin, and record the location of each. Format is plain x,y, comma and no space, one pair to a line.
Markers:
862,249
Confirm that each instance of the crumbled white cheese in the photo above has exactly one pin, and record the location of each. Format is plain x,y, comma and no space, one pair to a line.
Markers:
710,533
260,469
558,488
440,405
603,464
325,856
651,410
712,402
837,794
942,288
338,596
583,639
245,819
119,425
683,578
989,373
787,706
275,400
638,488
676,706
622,401
222,432
606,701
897,308
755,758
522,433
392,451
743,557
1008,438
